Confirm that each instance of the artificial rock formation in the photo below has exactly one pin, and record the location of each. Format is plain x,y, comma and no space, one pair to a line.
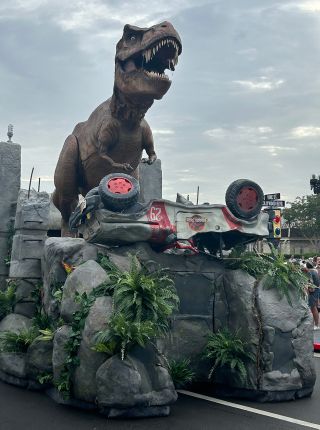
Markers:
279,336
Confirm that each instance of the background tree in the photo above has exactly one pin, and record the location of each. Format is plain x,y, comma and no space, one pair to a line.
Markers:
304,215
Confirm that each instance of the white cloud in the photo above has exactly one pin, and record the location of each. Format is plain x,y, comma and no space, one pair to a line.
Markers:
274,150
84,14
216,133
261,84
309,6
162,132
305,131
240,132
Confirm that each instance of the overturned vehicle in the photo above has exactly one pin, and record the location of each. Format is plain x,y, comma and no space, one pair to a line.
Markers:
111,214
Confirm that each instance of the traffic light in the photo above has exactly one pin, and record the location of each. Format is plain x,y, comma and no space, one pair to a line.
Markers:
276,224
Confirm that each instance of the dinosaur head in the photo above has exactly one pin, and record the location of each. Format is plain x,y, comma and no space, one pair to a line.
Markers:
142,56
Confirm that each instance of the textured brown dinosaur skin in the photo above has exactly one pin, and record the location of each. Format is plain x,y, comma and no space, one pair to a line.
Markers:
113,138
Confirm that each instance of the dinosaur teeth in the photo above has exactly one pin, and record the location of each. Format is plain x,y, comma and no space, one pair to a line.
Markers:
151,52
157,75
147,55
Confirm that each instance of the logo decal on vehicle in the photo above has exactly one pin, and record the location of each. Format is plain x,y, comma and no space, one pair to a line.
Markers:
196,222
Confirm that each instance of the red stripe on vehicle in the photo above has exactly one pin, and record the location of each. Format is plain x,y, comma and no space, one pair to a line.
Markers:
233,223
161,225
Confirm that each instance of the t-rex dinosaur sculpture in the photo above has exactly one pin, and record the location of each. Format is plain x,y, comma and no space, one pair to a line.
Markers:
113,138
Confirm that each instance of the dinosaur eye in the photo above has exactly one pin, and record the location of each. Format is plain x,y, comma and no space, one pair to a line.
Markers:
132,38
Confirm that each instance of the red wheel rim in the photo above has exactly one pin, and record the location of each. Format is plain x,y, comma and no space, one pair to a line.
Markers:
247,199
119,185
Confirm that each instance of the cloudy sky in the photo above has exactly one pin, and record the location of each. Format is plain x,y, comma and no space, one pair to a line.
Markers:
244,102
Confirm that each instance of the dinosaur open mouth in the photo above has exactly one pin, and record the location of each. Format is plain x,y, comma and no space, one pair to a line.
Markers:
154,60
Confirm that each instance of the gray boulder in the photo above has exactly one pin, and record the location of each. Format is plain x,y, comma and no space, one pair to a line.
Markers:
57,250
139,381
15,323
82,280
289,350
59,353
13,364
28,309
39,358
186,340
84,382
280,337
25,288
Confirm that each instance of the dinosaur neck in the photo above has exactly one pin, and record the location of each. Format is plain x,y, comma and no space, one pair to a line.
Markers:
126,110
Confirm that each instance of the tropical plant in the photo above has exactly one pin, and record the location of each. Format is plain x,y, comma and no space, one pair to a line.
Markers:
249,262
17,342
45,378
122,334
46,335
181,372
226,349
85,301
143,302
7,300
42,321
275,271
143,296
284,276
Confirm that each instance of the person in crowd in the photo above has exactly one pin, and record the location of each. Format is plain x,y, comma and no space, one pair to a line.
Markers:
313,290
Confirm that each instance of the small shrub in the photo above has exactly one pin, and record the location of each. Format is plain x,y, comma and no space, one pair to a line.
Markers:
42,321
123,334
7,300
283,275
226,349
274,269
143,302
181,372
46,335
17,342
249,262
45,378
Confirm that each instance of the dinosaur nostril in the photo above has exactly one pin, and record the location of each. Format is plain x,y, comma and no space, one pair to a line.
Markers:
164,25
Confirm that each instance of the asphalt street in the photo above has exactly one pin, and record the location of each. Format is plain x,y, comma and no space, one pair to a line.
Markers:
27,410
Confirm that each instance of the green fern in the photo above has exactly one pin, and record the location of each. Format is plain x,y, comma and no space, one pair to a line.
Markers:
17,342
123,334
45,378
7,300
226,349
143,296
181,372
143,302
284,276
275,271
254,264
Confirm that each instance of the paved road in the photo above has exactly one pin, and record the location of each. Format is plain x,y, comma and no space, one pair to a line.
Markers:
25,410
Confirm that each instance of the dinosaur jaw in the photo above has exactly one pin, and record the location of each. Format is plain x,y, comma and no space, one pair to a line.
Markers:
142,75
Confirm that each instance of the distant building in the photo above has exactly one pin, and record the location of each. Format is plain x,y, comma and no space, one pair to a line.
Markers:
292,243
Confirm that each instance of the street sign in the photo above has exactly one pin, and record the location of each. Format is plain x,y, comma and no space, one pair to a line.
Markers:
275,203
268,197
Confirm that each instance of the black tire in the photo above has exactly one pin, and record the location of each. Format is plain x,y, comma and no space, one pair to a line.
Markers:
244,199
119,191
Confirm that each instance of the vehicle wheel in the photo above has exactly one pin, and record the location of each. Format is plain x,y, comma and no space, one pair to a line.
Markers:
119,191
244,198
